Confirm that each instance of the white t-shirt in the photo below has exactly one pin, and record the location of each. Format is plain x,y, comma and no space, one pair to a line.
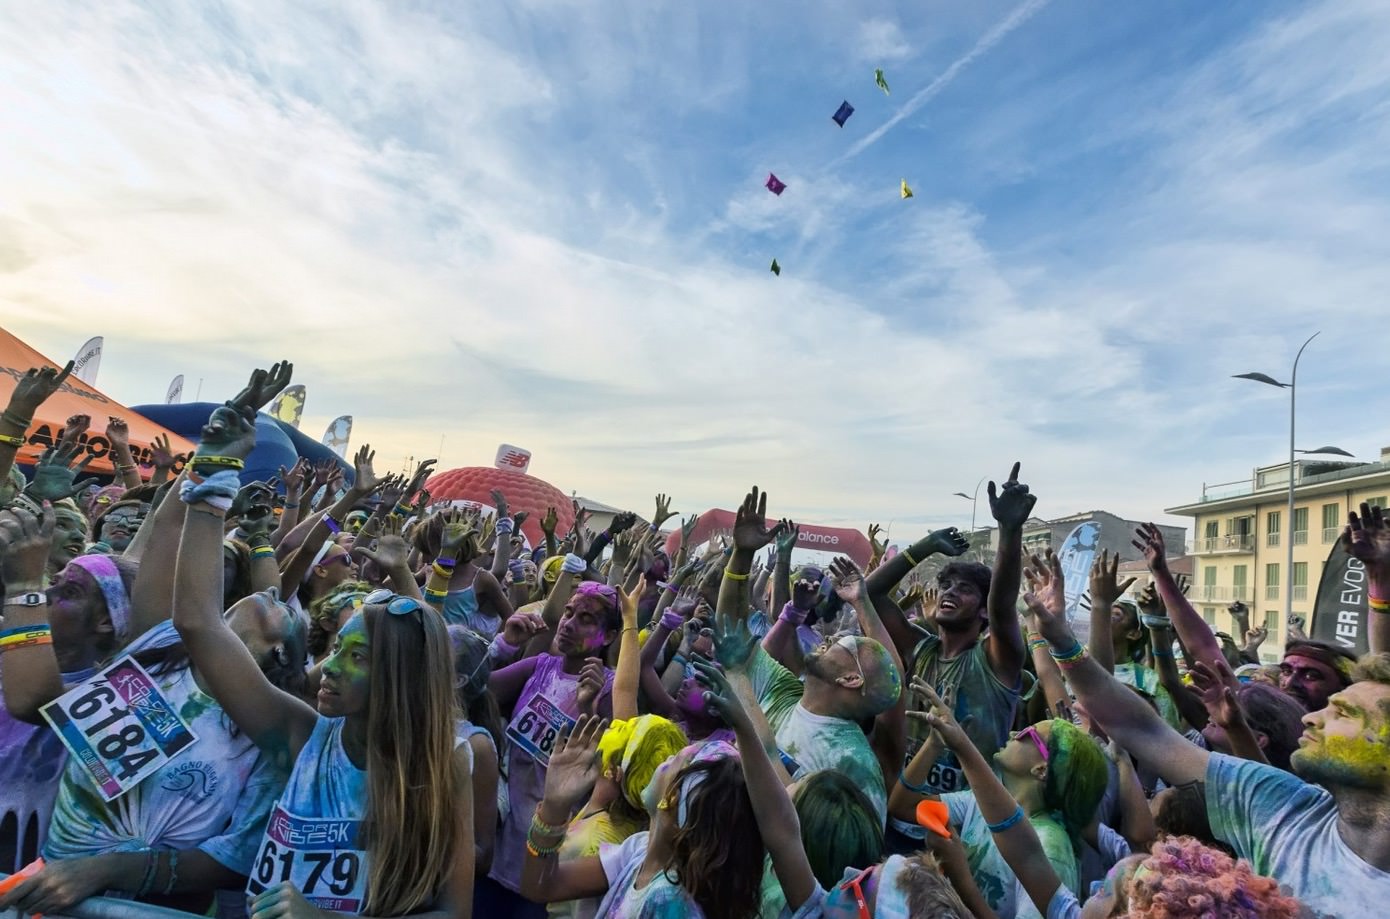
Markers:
1287,829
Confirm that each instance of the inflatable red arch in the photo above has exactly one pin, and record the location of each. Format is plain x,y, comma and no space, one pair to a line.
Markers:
841,541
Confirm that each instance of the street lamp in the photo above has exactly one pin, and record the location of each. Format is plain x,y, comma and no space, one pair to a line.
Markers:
1292,387
972,498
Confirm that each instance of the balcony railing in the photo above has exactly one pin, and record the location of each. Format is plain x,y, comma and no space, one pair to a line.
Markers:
1271,539
1212,592
1330,534
1221,545
1300,591
1242,592
1300,537
1271,591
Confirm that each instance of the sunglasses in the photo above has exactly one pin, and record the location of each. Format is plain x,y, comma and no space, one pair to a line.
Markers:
396,605
345,558
1031,733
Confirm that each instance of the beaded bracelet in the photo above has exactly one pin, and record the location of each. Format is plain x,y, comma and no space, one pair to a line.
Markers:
1008,822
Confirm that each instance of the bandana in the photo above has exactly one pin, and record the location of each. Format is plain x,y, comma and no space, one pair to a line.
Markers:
594,589
103,570
710,752
318,559
1339,662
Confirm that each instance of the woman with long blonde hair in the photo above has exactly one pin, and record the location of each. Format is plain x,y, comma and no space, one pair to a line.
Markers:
376,818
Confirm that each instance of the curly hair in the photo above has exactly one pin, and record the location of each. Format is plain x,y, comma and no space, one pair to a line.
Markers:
1183,879
717,854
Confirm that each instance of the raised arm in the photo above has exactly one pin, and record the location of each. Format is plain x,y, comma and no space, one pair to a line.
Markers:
1367,537
1015,837
1197,637
1010,507
30,391
1105,590
884,579
1119,711
778,823
889,735
152,594
628,672
276,721
118,434
751,534
32,677
364,483
570,778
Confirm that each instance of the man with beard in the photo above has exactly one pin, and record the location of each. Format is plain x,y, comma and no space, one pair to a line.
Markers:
1323,831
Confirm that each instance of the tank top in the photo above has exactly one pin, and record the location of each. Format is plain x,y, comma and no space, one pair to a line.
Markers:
314,837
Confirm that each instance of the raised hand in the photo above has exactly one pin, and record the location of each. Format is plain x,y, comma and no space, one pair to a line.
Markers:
25,540
34,388
417,481
1013,504
54,474
629,602
1105,589
1046,596
76,426
323,472
733,643
518,519
581,517
1253,639
938,715
849,580
457,529
663,511
499,501
162,454
574,764
948,541
688,529
118,432
254,502
294,477
879,548
391,552
367,479
787,537
721,696
550,521
750,523
622,522
1367,538
392,490
1216,686
229,432
1149,602
521,627
1148,539
263,386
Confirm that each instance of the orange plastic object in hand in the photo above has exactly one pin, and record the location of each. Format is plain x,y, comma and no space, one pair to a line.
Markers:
932,815
20,876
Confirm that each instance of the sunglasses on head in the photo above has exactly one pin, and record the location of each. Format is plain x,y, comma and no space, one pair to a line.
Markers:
849,644
396,604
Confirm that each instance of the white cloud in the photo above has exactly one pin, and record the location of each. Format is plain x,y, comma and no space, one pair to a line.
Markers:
882,40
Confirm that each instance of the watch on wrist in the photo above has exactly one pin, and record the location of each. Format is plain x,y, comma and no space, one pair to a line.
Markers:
28,598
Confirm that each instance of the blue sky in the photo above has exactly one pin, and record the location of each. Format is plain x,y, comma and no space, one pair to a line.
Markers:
544,223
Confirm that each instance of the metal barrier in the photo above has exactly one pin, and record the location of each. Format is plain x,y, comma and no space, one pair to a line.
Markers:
107,908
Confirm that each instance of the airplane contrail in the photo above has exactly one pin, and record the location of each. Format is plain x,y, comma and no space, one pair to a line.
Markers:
1021,14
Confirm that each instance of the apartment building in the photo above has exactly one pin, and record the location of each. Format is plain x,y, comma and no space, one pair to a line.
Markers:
1240,533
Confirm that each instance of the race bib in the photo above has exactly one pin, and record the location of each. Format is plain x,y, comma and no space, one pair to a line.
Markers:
320,858
536,726
119,726
943,777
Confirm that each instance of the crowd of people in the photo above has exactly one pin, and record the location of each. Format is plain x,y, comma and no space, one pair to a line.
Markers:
315,696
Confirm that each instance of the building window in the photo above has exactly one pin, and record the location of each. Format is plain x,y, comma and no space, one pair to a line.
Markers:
1272,521
1272,581
1209,614
1331,522
1377,501
1238,586
1209,582
1300,580
1300,526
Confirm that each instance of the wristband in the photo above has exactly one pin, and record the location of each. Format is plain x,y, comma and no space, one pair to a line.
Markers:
792,613
217,490
1155,622
290,507
734,575
224,462
1377,605
12,441
403,510
12,418
262,552
334,526
125,467
1006,823
908,555
677,658
1071,663
444,572
923,789
446,562
573,564
434,596
672,620
1161,652
504,525
1035,643
1069,654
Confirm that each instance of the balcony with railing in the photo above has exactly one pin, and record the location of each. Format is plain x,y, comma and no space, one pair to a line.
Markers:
1230,544
1300,592
1330,534
1271,591
1272,540
1300,537
1212,592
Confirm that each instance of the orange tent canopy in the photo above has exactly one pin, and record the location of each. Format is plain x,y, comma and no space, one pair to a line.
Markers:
76,398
